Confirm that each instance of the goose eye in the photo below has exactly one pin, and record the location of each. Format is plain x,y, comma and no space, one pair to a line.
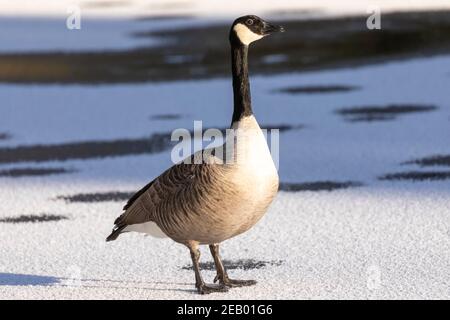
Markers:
249,22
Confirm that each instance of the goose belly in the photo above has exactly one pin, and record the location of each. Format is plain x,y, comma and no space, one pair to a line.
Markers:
227,211
237,198
257,192
231,216
254,181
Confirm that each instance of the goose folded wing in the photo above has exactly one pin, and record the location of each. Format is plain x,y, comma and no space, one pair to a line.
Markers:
143,203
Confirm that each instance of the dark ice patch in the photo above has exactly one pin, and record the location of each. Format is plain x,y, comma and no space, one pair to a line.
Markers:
318,186
244,264
166,117
97,197
165,17
327,43
282,127
381,113
157,142
317,89
33,218
435,160
31,172
4,136
417,176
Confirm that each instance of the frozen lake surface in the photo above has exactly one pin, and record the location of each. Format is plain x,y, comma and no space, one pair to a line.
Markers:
363,211
389,238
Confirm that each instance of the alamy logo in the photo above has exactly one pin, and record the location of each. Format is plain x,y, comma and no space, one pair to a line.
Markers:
374,20
73,21
215,146
373,280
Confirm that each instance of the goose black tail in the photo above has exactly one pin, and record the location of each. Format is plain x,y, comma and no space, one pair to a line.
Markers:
115,233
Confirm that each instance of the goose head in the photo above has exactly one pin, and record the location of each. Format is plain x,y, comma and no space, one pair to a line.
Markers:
247,29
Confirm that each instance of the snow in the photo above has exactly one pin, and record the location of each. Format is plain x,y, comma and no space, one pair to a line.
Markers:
383,240
387,239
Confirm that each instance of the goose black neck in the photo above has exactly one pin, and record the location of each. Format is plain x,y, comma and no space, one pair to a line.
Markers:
241,85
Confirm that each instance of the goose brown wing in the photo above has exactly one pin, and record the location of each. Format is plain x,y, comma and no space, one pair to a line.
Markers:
143,204
137,195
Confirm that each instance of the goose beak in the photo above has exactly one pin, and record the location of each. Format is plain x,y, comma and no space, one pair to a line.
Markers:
269,28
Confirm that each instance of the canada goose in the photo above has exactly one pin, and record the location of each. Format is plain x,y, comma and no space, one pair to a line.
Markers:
207,203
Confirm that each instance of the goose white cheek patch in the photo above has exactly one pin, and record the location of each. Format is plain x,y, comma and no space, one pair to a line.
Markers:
245,34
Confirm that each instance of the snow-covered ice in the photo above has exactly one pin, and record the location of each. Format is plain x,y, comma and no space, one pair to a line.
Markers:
386,239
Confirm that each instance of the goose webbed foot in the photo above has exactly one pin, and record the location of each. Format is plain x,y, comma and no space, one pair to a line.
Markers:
222,275
201,286
234,282
204,288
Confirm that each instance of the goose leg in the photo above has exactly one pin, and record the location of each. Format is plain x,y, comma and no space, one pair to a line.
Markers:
201,286
222,275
